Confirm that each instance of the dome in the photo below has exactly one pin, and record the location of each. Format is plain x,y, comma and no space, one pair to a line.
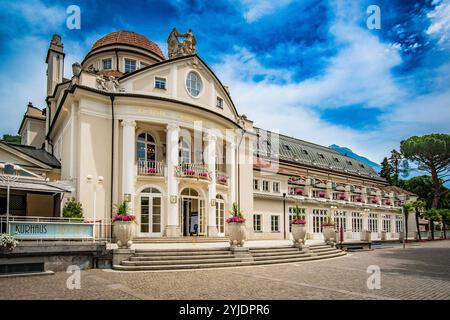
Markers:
128,38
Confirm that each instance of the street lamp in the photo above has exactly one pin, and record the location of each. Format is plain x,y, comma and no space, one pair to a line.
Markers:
8,178
99,181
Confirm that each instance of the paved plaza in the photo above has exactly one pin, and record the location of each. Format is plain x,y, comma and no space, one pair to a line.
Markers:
421,271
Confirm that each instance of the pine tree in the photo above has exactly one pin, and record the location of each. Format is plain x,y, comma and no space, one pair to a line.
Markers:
386,170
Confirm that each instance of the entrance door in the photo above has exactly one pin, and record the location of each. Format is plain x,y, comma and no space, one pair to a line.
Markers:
192,213
150,224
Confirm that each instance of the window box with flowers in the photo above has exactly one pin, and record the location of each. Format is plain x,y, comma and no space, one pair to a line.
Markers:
236,227
342,197
322,194
387,202
123,223
375,200
298,228
358,199
189,172
299,191
203,174
151,171
222,179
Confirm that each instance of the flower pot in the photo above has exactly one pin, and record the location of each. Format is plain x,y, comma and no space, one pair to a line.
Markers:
123,231
298,233
329,234
236,233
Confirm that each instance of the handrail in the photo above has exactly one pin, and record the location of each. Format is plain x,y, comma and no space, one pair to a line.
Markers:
150,168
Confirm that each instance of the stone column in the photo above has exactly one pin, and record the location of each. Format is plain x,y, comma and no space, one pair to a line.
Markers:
212,192
128,155
231,166
173,228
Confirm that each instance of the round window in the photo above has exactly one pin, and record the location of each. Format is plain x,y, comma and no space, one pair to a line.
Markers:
194,84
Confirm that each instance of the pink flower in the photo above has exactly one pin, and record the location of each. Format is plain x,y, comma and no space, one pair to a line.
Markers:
222,179
203,174
321,194
342,197
359,199
374,200
299,191
235,219
152,170
298,221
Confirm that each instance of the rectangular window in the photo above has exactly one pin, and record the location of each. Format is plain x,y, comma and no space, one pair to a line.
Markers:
219,103
399,224
255,184
357,222
107,64
130,65
160,83
340,220
387,223
319,216
276,187
373,222
291,215
275,223
266,185
257,223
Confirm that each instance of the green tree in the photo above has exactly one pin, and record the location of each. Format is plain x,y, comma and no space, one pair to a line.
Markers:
395,162
386,170
72,209
431,153
12,138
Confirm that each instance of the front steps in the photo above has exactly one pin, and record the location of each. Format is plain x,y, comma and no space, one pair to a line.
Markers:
182,259
197,239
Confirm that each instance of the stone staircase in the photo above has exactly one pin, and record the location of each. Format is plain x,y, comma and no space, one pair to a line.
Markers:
189,239
179,259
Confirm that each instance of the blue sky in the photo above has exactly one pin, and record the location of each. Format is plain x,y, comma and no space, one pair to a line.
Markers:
310,69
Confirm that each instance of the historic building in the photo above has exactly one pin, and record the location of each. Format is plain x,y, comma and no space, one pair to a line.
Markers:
165,135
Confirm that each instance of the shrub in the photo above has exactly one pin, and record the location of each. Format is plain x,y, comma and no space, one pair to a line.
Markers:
72,209
7,241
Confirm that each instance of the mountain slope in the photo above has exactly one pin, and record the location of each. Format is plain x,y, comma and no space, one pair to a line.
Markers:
349,153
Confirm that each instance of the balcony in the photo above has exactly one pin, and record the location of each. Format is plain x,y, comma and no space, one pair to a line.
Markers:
192,170
150,168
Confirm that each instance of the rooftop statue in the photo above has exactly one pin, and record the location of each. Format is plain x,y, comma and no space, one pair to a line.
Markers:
184,48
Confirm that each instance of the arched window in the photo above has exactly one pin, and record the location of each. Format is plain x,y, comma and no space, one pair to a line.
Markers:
150,190
194,84
189,192
146,147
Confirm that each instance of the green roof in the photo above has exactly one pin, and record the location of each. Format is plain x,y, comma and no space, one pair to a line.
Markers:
311,154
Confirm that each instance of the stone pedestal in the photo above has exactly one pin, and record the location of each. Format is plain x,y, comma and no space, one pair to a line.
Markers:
120,255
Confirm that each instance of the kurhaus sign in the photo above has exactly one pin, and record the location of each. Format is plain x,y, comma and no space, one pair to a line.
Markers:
50,230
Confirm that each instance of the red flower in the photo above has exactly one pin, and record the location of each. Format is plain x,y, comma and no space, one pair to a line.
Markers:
235,219
297,221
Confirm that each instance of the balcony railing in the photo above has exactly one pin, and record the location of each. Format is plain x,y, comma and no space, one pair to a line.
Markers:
192,170
221,178
150,168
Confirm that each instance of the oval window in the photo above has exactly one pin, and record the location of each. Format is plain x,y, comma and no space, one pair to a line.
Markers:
194,84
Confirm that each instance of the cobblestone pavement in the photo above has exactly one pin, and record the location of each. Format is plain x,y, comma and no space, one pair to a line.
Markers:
422,271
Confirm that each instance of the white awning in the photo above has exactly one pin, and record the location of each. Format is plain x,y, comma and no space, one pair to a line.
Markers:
51,187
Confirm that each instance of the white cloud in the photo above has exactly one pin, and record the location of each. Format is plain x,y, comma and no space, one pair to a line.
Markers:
38,16
256,9
440,23
359,74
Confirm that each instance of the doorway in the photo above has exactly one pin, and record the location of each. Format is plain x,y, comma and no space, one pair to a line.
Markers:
192,213
150,217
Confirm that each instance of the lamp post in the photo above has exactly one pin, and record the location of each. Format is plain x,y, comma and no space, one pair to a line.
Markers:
8,178
99,181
